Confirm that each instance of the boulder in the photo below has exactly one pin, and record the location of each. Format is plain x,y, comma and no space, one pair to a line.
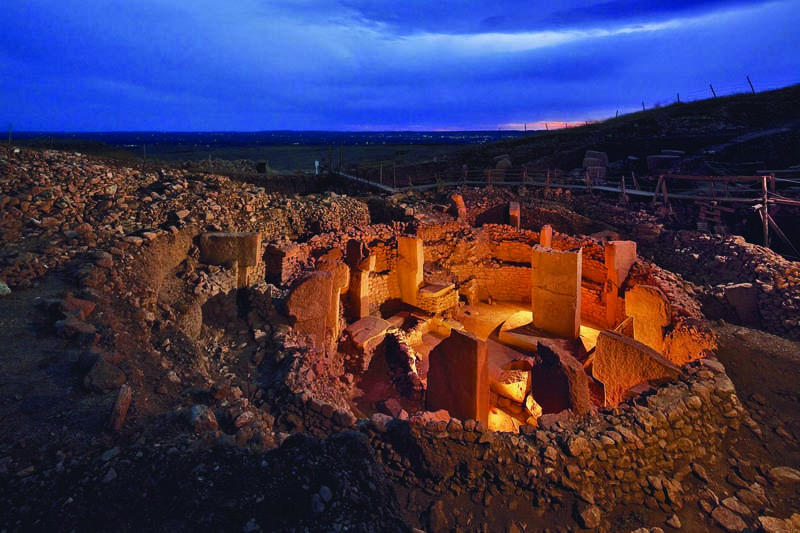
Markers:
104,377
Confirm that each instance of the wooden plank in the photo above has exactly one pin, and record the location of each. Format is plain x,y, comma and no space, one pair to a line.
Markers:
658,186
720,179
782,235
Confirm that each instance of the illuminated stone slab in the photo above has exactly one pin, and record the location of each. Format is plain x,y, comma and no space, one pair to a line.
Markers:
556,295
621,363
458,377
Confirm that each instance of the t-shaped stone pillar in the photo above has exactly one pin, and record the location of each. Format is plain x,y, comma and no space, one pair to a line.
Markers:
308,305
556,294
341,283
218,248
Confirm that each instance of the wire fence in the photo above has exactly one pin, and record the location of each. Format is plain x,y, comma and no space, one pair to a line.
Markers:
719,90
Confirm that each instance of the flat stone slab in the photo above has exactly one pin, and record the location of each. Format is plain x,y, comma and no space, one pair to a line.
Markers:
621,363
367,329
436,289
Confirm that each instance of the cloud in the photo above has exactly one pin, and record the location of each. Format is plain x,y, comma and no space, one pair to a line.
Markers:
468,17
313,64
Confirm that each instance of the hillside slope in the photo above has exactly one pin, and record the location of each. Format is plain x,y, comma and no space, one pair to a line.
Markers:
729,131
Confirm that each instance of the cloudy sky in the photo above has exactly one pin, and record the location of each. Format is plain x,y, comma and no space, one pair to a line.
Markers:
203,65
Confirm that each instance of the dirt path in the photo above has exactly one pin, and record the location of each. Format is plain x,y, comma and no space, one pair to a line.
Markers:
43,405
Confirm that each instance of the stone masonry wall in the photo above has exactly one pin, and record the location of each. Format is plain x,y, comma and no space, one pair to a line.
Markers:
593,306
636,453
382,288
502,283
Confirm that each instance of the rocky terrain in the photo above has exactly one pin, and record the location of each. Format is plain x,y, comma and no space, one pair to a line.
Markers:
123,411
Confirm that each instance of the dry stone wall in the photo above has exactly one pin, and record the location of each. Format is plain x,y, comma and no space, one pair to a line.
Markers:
637,453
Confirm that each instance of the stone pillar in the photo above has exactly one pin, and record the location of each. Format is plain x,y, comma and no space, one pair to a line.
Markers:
308,304
219,248
341,284
556,294
410,260
651,312
357,251
359,293
514,214
458,377
458,207
620,256
546,236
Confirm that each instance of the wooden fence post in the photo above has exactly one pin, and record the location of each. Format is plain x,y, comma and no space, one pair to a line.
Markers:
658,186
547,183
764,210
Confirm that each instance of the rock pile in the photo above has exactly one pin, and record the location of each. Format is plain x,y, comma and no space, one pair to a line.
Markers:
62,207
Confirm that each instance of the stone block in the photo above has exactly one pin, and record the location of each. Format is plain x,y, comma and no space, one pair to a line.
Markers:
458,377
367,331
556,293
601,157
511,384
651,312
744,298
621,363
437,297
363,339
219,248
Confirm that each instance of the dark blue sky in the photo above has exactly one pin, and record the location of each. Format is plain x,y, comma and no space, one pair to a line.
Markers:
89,65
